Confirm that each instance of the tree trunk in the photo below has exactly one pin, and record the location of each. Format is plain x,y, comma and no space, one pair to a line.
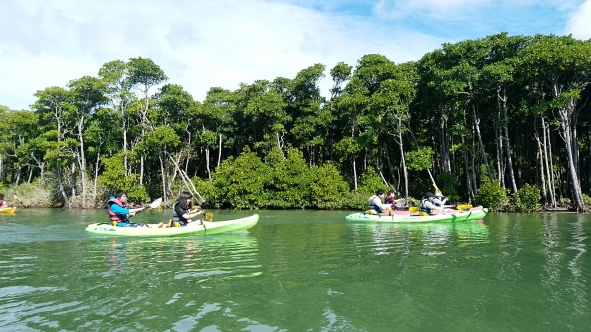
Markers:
124,126
484,158
18,176
30,169
220,152
164,184
354,173
207,163
404,169
142,170
469,188
540,159
396,184
567,133
550,168
82,161
60,182
503,101
499,148
73,179
474,170
96,168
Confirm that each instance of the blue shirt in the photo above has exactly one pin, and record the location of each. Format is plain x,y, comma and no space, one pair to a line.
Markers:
117,209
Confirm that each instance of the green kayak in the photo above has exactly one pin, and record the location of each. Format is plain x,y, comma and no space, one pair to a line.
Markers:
475,213
193,228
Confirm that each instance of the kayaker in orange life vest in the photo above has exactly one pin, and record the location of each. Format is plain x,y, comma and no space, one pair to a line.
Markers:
118,211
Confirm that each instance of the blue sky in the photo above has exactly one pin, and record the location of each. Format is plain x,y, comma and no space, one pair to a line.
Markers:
221,43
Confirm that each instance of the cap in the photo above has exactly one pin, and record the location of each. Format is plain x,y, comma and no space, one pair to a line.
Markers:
438,195
429,194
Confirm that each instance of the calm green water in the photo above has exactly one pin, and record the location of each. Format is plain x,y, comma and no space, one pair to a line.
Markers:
297,271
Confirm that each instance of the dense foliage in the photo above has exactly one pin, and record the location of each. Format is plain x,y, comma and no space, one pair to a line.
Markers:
526,199
484,120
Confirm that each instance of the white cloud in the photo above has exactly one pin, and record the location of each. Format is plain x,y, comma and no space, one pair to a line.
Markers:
579,23
198,44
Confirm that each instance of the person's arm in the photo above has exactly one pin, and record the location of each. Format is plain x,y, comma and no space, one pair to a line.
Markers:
123,211
119,210
187,216
432,206
378,203
192,215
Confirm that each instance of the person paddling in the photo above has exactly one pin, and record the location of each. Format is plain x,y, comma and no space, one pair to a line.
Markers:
182,211
438,200
377,207
119,211
427,205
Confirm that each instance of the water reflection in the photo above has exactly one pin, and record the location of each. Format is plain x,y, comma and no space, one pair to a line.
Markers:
389,239
564,256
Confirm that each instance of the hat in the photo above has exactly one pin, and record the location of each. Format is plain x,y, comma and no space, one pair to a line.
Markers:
429,194
438,195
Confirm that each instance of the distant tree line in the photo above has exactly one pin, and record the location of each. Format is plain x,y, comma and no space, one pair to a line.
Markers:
502,111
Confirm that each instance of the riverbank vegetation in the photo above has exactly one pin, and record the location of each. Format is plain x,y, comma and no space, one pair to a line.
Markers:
501,121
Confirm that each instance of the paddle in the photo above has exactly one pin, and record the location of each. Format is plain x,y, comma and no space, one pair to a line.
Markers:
155,204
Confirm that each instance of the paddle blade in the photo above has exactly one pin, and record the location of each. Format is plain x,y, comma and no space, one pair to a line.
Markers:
464,207
156,203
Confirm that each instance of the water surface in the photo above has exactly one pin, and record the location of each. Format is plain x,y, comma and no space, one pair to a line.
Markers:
297,271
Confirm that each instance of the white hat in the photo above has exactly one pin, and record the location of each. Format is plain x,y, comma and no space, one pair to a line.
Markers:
438,195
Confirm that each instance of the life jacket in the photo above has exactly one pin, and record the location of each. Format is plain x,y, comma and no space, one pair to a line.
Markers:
114,216
372,204
175,215
423,208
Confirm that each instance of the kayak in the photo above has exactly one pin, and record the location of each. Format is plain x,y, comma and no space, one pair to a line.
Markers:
193,228
8,210
475,213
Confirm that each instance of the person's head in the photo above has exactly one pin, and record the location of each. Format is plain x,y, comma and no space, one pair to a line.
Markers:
429,196
121,195
380,193
185,200
391,193
2,197
439,195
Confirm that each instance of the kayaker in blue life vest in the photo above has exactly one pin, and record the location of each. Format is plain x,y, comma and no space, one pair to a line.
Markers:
377,207
118,211
3,203
427,205
182,211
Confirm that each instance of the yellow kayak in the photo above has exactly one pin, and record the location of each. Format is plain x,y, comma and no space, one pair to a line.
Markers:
8,210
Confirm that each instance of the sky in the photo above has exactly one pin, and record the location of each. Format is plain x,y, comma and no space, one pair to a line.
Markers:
200,44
